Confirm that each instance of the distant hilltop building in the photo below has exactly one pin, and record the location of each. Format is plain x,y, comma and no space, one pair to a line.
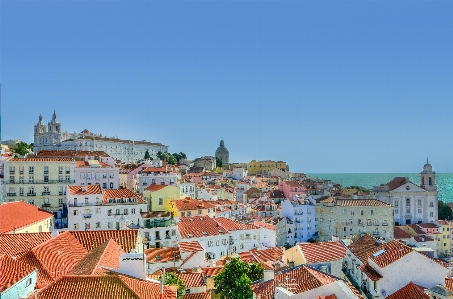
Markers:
412,203
265,166
51,137
222,153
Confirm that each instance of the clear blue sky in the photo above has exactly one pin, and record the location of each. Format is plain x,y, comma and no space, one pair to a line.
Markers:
327,86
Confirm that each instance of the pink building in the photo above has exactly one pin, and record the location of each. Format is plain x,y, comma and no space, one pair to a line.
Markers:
291,189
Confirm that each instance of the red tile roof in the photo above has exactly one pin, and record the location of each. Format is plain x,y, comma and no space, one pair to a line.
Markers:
322,251
449,283
370,272
155,187
396,182
162,255
120,193
190,246
389,252
363,246
12,271
411,290
399,233
211,271
42,160
19,214
85,190
428,225
192,280
127,239
232,225
55,257
193,204
206,295
15,245
109,286
107,254
199,226
363,203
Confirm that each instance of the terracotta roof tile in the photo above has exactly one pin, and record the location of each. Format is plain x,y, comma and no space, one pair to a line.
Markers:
85,190
363,203
15,245
389,252
370,272
120,193
38,159
363,246
396,182
55,257
12,271
155,187
161,255
193,204
109,286
232,225
107,254
192,280
127,239
206,295
322,251
411,290
211,271
190,246
19,214
199,226
449,283
399,233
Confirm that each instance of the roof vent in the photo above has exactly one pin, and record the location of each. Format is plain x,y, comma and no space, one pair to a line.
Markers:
205,233
84,189
190,235
378,253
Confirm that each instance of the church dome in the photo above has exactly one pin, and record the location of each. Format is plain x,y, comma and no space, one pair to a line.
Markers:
222,153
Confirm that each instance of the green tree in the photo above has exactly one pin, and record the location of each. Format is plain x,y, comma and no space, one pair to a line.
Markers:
147,155
444,211
173,279
218,162
234,281
22,148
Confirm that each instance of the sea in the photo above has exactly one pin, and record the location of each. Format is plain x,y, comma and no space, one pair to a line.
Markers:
444,181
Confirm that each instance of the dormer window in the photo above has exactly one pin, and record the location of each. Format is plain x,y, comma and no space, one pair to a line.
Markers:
110,200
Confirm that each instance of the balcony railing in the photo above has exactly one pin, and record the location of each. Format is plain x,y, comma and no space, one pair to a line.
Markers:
11,172
11,194
87,215
42,182
31,194
159,223
46,205
45,193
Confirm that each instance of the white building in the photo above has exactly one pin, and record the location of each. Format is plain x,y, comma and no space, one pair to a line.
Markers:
187,189
239,173
52,138
157,175
92,172
302,214
413,204
90,208
18,279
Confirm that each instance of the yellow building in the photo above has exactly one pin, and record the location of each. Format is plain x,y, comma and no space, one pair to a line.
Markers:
263,167
444,242
21,217
38,181
159,197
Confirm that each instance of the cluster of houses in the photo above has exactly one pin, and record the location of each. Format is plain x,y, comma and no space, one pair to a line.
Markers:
80,222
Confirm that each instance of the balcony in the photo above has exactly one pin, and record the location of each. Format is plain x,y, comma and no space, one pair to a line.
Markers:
43,182
158,223
31,194
46,205
60,192
385,223
11,172
376,234
31,172
157,238
87,215
45,193
11,194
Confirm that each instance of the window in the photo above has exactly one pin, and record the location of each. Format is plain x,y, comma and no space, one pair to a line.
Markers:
98,225
28,282
67,169
97,175
210,243
173,232
82,175
431,204
117,212
110,224
31,169
111,175
419,211
132,211
161,201
199,212
126,211
224,241
109,212
183,214
89,176
60,169
396,211
104,185
431,214
397,203
46,169
76,226
419,202
104,175
352,213
60,201
361,212
111,185
371,212
98,210
67,179
87,226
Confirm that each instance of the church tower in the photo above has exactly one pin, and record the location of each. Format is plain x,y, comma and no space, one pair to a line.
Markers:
428,178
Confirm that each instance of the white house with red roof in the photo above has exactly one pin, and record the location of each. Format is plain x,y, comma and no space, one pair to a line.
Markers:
413,203
91,208
165,175
17,279
92,172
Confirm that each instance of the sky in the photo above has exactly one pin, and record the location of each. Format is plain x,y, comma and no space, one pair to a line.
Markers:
327,86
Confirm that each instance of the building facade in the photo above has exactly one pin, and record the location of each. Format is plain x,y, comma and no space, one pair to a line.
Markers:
51,137
222,153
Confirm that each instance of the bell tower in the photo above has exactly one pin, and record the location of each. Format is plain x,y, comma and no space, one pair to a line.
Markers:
428,178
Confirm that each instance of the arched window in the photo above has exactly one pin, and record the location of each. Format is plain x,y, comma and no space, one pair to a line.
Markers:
111,185
408,201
